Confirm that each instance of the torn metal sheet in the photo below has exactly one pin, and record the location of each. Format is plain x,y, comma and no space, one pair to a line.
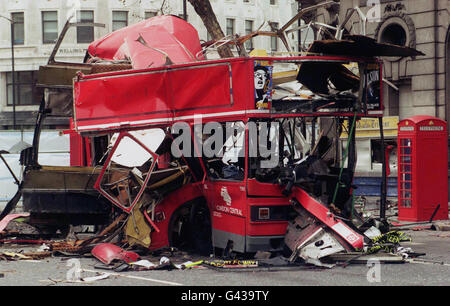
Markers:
68,195
359,45
131,154
153,42
322,213
107,252
137,230
11,204
144,264
4,222
323,244
316,76
364,258
312,244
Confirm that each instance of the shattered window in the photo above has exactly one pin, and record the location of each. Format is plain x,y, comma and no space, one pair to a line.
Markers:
281,142
325,86
129,166
223,146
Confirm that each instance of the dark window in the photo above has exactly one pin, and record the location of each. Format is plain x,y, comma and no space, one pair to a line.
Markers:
273,2
19,28
85,34
274,40
394,34
49,27
150,14
119,20
249,30
230,26
225,161
182,16
25,84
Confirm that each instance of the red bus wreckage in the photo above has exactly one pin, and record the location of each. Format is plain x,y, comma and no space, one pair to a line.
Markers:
239,154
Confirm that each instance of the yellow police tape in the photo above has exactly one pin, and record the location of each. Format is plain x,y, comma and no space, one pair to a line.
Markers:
387,241
232,263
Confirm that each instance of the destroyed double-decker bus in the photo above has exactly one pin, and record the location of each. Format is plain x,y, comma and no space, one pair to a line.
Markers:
255,141
240,154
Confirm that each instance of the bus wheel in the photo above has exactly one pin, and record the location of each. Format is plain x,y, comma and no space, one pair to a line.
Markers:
190,228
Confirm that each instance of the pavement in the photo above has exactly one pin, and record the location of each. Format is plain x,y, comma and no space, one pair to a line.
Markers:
433,269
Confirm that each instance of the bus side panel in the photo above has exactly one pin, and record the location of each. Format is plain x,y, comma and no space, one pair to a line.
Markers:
164,212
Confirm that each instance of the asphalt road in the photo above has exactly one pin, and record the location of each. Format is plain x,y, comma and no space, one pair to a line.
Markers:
434,272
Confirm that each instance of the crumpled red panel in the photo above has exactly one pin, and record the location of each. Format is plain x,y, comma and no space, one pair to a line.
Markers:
153,42
107,252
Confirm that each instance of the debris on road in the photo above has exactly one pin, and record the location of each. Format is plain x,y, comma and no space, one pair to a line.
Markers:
130,194
108,252
5,221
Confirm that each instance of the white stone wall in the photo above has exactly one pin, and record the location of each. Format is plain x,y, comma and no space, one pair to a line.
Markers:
416,78
34,53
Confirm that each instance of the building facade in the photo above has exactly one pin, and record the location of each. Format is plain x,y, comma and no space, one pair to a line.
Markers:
37,24
421,84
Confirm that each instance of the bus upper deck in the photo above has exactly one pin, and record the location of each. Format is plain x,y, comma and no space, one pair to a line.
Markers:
231,89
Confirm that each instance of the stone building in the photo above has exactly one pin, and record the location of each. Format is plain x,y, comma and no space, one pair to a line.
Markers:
38,22
422,84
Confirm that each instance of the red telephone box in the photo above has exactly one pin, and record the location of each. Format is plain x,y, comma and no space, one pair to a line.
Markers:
422,169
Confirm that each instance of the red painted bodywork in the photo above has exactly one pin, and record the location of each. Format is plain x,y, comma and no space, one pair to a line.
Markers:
162,96
324,214
98,185
422,169
164,36
219,90
167,207
107,252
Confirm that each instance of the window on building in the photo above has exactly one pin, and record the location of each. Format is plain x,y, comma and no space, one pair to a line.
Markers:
49,27
274,39
249,30
119,20
85,34
230,26
182,16
25,84
150,14
19,28
273,2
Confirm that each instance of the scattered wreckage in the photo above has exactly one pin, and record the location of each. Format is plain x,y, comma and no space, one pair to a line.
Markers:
141,85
